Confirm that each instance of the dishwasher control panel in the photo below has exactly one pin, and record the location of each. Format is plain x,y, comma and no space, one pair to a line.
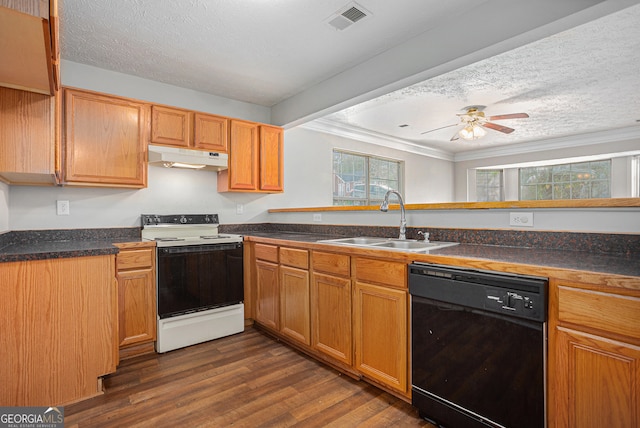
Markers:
512,301
520,296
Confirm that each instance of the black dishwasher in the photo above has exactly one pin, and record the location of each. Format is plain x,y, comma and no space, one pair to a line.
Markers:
478,342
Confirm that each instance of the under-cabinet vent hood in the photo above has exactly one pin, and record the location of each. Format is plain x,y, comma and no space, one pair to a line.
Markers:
171,157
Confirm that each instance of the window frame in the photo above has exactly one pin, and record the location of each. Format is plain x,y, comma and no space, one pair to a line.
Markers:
551,183
368,200
486,187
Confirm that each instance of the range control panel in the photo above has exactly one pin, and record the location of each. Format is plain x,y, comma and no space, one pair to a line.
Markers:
156,219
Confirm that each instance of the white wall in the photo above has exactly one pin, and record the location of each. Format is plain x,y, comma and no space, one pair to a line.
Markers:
307,181
110,82
4,207
308,170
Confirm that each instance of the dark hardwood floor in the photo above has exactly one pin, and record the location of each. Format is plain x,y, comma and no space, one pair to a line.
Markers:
245,380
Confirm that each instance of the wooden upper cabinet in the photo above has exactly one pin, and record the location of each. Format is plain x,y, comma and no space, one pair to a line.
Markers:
29,48
255,159
186,129
105,140
271,159
211,132
243,158
29,148
170,126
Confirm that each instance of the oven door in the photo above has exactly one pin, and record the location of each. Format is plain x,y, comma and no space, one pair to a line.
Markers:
198,277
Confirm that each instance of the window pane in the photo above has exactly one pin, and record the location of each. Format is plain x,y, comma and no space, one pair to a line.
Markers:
489,185
567,181
363,180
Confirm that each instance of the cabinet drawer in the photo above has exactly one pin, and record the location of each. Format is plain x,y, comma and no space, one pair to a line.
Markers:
381,271
602,311
294,257
336,264
267,252
132,259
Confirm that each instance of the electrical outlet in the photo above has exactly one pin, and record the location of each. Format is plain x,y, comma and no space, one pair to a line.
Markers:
317,217
62,208
521,219
239,208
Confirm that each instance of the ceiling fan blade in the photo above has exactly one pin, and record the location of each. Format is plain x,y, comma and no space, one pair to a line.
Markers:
498,128
455,137
437,129
509,116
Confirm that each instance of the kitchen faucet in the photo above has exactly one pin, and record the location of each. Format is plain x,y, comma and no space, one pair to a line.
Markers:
384,207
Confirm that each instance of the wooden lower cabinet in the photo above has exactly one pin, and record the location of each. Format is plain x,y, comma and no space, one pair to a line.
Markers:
381,334
267,294
58,329
295,304
136,297
594,349
597,381
331,316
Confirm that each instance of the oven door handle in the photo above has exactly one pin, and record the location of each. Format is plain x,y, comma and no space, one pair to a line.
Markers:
183,249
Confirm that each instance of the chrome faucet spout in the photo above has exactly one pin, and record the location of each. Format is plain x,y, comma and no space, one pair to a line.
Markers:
384,207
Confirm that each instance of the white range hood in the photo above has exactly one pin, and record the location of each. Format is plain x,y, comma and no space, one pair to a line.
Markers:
171,157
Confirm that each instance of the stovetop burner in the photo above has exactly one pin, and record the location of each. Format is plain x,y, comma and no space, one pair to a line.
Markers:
184,229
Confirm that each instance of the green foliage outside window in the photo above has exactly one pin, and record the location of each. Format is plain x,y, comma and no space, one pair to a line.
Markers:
582,180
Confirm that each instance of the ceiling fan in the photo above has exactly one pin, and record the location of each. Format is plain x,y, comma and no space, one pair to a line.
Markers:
474,121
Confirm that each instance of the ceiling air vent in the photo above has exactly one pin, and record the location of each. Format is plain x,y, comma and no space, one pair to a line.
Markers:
347,16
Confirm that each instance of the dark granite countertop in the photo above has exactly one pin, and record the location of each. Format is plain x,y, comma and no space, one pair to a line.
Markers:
36,245
616,264
605,263
55,250
55,244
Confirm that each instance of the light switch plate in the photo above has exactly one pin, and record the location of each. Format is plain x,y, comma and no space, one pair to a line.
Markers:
521,219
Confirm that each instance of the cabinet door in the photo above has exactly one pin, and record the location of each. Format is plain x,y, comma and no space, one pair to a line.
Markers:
29,37
271,159
105,142
267,294
243,156
331,316
136,307
294,304
27,144
211,133
170,126
597,381
380,334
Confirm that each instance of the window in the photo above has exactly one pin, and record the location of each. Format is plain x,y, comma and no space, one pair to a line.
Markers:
567,181
363,180
489,185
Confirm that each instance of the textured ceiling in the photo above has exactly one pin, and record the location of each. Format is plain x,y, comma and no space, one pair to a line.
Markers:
259,51
582,80
266,51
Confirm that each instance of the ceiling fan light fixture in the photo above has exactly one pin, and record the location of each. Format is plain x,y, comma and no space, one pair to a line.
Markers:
472,132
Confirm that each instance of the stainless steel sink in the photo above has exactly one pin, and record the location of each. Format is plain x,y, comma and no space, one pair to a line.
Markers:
360,240
414,245
411,245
